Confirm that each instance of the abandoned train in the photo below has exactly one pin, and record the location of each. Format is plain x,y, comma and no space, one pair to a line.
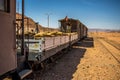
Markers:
73,25
15,65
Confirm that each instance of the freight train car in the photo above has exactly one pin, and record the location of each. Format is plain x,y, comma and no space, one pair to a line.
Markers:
12,65
85,31
7,37
45,47
69,25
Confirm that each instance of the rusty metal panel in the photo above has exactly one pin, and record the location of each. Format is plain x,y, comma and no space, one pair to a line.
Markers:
49,43
63,39
67,39
8,59
57,41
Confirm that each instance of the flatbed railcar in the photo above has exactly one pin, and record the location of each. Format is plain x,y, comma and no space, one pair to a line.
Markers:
44,48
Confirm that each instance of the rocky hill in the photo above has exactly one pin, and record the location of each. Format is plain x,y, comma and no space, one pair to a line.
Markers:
30,25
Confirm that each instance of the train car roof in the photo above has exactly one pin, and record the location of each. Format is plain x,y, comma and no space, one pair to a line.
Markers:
71,19
68,19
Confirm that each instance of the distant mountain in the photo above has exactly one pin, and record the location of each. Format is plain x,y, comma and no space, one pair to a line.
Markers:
102,30
30,25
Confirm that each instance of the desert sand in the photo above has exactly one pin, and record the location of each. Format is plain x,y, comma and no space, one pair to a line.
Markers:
94,58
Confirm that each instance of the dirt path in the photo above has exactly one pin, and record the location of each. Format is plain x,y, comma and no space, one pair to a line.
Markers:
98,64
113,50
89,59
64,68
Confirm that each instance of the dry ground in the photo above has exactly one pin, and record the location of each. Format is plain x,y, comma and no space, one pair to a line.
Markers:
95,58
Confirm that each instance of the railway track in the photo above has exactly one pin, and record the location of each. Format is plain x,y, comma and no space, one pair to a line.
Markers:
110,48
113,43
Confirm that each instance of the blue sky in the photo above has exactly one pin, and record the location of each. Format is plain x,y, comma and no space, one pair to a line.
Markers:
103,14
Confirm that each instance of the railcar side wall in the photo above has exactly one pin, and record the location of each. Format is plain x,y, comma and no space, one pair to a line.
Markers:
7,37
